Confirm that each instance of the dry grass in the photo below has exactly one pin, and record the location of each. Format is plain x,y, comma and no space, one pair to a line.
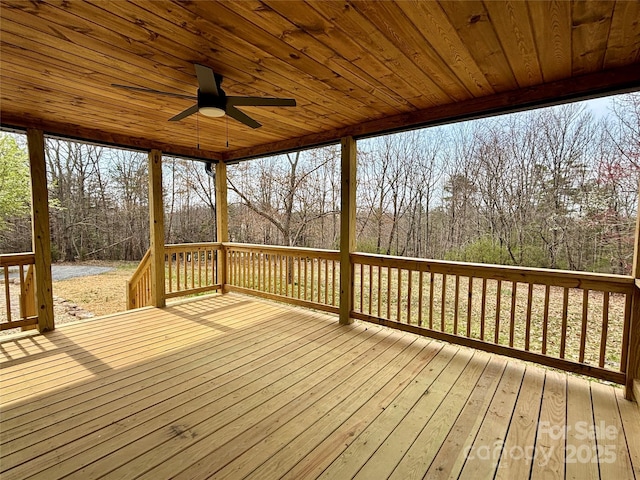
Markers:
99,294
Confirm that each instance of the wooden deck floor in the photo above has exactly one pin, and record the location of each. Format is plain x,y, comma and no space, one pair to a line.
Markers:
231,387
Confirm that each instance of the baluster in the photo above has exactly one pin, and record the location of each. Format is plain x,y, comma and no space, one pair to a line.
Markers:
527,334
605,327
306,283
299,276
177,270
185,263
483,307
469,306
545,319
7,295
512,322
370,288
455,305
389,293
193,270
583,330
169,256
565,309
281,273
334,283
361,288
409,293
498,304
379,290
326,282
444,301
420,286
431,288
399,298
23,300
311,280
625,332
265,276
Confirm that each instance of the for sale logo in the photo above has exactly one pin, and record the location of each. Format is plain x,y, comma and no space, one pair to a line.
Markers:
596,444
601,450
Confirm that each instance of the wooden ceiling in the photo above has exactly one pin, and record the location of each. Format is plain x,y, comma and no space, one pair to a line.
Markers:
355,68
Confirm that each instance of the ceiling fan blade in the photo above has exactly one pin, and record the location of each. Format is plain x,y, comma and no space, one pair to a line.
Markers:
261,102
242,117
155,92
189,111
207,80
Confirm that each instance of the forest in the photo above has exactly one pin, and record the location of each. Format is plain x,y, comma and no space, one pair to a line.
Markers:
554,187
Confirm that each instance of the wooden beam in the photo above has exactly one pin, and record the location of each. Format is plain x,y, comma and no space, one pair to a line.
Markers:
222,221
83,134
41,238
632,386
347,227
600,84
156,229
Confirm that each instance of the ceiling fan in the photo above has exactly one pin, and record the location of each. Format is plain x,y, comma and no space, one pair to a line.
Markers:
213,102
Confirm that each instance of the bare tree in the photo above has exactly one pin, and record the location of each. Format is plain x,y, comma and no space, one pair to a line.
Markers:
285,191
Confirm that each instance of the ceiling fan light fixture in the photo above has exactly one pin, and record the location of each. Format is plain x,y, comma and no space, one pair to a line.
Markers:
211,111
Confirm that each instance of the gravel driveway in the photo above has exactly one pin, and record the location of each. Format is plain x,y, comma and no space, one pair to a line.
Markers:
64,272
64,311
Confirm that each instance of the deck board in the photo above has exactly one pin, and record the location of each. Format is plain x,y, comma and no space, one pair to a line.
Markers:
494,427
515,460
231,387
579,412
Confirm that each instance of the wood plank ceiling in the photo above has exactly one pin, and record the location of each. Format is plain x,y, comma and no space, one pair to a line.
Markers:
354,67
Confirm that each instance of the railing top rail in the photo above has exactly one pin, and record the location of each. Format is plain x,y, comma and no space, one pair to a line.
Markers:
544,276
15,259
141,267
179,246
311,252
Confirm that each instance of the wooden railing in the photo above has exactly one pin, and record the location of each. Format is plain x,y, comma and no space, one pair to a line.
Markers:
300,276
191,268
24,314
139,286
569,320
574,321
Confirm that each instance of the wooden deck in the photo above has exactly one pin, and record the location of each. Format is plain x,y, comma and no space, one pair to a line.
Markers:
232,387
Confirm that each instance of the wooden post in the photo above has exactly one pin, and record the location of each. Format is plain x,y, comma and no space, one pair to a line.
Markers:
347,227
156,229
632,387
41,238
222,221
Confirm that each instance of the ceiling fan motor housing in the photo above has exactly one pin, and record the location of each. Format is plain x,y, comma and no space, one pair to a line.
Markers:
212,100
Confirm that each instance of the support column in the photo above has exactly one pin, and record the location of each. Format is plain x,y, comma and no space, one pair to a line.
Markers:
222,221
347,227
156,229
41,238
632,387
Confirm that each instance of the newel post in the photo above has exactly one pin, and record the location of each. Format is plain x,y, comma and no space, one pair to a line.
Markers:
156,229
41,238
632,387
222,221
347,227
